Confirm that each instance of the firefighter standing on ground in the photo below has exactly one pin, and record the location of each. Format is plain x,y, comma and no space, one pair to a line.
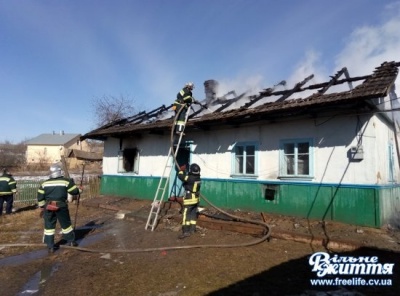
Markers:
8,187
184,99
52,200
191,184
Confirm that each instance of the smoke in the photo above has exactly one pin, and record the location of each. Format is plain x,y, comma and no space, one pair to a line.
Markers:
249,85
366,48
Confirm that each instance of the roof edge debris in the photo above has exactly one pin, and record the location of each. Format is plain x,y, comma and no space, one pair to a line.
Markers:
232,111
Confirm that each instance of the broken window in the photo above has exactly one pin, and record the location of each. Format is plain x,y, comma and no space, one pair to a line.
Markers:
295,158
244,159
128,161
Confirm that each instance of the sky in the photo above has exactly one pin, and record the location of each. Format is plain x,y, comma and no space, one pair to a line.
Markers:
57,57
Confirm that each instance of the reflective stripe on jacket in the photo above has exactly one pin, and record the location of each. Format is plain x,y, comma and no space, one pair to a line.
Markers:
56,189
192,184
184,97
7,185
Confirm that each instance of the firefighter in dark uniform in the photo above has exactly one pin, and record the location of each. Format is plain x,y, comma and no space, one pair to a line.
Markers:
191,184
8,187
184,99
52,200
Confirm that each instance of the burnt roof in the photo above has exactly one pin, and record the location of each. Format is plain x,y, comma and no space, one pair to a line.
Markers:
160,120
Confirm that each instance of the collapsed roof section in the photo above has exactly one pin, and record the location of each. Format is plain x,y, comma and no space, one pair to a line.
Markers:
269,104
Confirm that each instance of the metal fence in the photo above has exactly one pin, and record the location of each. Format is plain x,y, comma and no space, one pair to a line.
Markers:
27,190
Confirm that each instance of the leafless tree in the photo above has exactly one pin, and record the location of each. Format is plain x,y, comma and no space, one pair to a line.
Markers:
42,160
108,109
95,145
12,155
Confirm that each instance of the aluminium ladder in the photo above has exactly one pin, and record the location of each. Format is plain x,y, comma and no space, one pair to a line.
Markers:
152,220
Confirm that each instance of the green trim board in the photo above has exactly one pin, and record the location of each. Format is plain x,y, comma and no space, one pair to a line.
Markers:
364,205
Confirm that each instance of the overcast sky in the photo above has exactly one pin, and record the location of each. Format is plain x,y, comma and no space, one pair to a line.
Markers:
57,56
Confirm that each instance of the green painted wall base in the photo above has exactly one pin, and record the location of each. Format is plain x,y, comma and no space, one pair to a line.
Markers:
361,205
129,186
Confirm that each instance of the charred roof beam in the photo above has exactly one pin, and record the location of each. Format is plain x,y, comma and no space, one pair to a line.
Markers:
346,73
150,114
230,102
332,81
202,107
341,81
295,89
267,92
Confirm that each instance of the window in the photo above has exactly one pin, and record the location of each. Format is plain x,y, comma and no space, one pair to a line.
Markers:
296,158
244,159
128,161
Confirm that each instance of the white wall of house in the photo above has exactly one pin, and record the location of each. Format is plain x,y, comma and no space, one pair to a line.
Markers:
110,156
332,138
43,153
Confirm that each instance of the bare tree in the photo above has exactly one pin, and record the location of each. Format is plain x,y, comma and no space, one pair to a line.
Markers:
95,145
12,155
108,109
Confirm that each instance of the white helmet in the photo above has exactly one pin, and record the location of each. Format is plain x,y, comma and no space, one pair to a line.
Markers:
56,171
190,85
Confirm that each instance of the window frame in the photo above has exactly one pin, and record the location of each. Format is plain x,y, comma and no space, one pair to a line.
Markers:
282,162
120,161
234,173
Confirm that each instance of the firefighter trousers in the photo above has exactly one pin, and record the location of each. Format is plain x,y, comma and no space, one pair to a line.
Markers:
50,221
189,218
8,199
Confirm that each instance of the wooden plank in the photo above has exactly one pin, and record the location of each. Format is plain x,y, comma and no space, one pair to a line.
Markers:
65,167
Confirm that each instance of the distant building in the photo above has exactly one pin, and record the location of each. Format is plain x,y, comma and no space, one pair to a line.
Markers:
48,148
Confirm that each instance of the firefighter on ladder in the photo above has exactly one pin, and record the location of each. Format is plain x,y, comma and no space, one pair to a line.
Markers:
184,99
191,184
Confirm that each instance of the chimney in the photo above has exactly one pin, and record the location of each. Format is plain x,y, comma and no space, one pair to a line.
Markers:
211,89
61,133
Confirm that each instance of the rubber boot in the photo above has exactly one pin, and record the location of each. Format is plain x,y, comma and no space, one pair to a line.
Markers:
185,232
192,228
72,244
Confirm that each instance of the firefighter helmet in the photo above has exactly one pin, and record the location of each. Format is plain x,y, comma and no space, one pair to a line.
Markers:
56,171
190,85
194,169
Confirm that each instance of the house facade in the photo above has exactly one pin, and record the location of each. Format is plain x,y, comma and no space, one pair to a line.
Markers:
328,156
49,148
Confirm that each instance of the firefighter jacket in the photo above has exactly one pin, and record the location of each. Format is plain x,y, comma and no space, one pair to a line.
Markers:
184,97
191,183
56,189
8,185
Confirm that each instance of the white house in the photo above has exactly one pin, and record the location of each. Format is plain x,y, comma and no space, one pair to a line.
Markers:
329,155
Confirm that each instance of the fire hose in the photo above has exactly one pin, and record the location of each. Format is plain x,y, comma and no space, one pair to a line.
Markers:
141,250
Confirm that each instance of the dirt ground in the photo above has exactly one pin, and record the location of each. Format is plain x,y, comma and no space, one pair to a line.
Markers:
117,256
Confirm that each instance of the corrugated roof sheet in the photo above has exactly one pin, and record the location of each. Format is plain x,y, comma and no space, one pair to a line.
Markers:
53,139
